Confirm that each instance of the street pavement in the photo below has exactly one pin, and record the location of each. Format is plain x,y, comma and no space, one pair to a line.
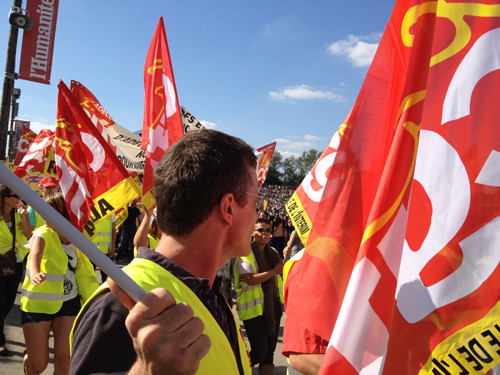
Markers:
13,365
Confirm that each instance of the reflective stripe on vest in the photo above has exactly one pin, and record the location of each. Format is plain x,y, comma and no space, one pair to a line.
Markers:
220,358
242,306
4,249
41,296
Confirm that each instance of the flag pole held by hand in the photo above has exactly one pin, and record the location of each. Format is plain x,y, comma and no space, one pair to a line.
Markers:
59,223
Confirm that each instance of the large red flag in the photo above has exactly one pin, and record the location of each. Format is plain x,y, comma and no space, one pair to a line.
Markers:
400,285
92,179
162,123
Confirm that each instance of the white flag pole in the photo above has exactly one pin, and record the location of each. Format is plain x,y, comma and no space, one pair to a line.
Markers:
59,223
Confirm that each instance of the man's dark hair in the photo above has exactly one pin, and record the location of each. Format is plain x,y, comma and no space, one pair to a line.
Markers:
194,175
261,220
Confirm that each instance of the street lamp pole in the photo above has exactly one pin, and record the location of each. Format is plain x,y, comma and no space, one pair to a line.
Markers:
8,84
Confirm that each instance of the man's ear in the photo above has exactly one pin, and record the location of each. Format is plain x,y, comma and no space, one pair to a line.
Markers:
227,208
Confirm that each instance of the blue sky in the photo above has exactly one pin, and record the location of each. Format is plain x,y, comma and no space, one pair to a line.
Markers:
261,70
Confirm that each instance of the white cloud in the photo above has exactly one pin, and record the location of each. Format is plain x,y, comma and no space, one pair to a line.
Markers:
208,124
359,50
304,92
312,138
294,146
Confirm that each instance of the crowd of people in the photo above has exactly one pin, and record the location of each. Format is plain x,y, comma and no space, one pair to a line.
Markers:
162,247
276,197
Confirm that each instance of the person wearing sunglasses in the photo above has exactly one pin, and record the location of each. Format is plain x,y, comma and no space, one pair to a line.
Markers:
259,295
14,232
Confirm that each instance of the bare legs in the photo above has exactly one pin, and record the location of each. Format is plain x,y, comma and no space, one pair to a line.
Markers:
36,336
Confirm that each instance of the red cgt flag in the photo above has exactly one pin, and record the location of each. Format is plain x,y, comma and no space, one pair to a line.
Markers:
92,179
264,155
162,123
25,140
37,153
409,285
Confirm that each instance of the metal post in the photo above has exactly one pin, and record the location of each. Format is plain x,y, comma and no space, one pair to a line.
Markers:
16,93
8,85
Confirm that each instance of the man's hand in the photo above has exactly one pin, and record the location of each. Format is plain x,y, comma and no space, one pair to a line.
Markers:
167,337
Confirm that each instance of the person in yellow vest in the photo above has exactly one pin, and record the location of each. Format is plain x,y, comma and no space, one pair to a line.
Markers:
48,185
105,239
58,278
206,193
259,287
14,231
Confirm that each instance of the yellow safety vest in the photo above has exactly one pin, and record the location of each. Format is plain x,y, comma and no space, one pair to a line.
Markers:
39,221
104,236
47,297
250,298
6,237
153,242
220,359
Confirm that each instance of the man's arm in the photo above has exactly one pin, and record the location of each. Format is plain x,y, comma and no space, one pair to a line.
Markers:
141,236
259,278
308,364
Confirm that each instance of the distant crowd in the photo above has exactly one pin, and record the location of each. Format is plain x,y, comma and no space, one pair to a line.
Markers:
277,196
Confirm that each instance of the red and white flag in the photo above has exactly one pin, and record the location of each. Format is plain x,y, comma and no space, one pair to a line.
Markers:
92,179
37,154
400,215
162,122
264,156
125,144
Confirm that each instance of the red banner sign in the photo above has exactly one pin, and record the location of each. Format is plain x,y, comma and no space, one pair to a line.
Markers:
38,43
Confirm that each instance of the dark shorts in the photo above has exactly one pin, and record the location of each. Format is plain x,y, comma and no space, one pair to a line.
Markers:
68,308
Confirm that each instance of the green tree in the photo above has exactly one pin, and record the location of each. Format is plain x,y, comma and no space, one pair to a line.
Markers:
274,174
305,162
290,171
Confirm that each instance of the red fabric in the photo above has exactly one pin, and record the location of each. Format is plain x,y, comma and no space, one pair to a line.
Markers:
87,167
37,154
27,137
94,110
162,122
264,161
34,65
296,337
379,267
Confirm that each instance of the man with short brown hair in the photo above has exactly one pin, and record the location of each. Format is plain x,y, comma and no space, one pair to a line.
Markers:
206,191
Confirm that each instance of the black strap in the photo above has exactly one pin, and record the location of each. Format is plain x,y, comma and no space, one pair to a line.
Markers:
13,229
